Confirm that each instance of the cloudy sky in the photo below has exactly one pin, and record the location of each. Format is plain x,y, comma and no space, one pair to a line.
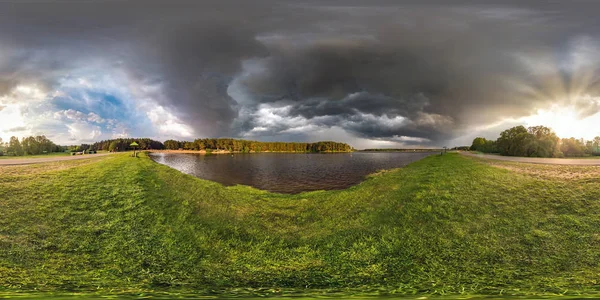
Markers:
369,73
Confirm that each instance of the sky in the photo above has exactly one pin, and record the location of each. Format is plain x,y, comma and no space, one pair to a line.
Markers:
369,73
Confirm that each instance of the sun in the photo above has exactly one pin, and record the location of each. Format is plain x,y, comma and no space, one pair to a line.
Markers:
566,122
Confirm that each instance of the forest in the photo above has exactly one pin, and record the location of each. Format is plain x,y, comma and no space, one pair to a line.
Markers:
32,145
245,146
536,141
41,144
123,145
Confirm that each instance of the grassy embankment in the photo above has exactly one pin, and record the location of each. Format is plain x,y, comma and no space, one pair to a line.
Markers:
443,225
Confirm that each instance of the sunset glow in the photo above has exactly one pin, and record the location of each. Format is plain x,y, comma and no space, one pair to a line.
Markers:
566,122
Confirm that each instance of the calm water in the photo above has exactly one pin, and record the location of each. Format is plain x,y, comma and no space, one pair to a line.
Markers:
287,172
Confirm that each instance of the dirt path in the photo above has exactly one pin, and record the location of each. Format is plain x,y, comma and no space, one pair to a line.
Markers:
537,160
28,161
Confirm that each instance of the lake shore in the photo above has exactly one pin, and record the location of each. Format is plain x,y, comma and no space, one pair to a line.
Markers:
232,152
190,151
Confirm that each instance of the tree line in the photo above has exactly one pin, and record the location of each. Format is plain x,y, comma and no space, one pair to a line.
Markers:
122,144
246,146
536,141
41,144
32,145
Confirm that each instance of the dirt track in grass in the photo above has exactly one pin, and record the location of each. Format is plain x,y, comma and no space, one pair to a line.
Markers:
538,160
28,161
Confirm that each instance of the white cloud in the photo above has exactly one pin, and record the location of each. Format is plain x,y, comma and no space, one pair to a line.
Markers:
84,132
410,139
70,114
75,115
92,117
168,124
11,117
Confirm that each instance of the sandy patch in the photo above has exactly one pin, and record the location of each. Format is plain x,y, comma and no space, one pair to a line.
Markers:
547,171
192,151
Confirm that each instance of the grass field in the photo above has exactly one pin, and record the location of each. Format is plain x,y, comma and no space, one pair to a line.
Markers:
445,225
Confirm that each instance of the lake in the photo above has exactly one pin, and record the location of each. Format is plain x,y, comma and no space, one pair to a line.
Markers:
287,172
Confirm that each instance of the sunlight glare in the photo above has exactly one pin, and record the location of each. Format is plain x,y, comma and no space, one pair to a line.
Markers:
565,122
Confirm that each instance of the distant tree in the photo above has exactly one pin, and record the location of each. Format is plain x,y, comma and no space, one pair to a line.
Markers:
483,145
462,148
113,146
14,146
513,141
34,145
478,144
200,145
30,146
171,144
589,147
572,147
189,146
538,141
543,142
255,146
596,146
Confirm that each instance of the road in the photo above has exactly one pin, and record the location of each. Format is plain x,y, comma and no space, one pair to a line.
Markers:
28,161
537,160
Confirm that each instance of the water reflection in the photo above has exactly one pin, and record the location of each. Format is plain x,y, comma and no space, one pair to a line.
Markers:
287,172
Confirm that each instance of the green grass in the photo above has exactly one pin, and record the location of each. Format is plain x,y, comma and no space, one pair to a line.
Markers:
445,225
52,154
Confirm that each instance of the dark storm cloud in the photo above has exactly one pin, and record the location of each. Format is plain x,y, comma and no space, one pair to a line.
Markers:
191,50
359,102
454,66
381,70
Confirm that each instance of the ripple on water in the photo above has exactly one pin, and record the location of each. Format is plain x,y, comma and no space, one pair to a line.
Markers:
287,172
